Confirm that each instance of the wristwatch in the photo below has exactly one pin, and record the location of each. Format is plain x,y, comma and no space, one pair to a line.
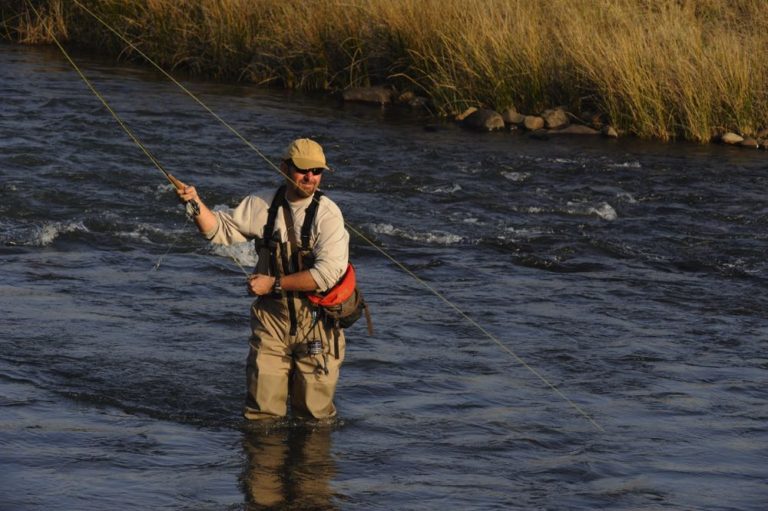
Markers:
277,288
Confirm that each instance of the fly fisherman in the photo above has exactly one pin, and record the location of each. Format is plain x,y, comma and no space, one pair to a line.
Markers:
294,355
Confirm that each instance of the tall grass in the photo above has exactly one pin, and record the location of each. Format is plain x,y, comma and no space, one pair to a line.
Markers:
657,68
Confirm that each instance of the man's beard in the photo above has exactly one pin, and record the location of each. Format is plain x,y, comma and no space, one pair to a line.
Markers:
305,191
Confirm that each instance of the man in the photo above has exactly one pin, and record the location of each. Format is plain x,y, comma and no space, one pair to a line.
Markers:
293,353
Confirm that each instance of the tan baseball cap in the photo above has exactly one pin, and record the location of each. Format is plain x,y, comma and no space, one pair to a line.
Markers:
306,154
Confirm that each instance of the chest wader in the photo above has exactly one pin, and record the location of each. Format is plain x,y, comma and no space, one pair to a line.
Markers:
293,357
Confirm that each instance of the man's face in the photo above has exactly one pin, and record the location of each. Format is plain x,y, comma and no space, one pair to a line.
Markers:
305,182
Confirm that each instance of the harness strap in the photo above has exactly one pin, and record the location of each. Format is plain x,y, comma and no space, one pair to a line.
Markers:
294,263
277,201
309,218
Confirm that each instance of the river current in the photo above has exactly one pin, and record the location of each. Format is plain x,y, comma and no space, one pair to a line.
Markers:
621,288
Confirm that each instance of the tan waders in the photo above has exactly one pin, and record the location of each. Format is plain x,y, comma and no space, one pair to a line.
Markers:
294,357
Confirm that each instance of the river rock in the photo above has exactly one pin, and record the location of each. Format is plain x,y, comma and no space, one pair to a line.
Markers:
406,97
483,119
377,94
731,138
609,131
749,142
533,122
512,116
555,118
574,129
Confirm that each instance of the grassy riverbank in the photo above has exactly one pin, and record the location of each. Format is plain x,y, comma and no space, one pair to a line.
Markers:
683,69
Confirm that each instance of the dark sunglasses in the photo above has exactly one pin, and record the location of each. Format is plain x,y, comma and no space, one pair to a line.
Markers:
316,171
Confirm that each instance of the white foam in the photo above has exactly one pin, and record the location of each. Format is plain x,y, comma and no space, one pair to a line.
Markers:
47,233
627,197
625,165
434,237
605,211
516,176
452,188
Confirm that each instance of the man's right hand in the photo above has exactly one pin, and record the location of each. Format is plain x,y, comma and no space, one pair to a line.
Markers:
187,193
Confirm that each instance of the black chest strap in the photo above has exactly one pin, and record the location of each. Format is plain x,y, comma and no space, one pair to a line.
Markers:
309,217
267,246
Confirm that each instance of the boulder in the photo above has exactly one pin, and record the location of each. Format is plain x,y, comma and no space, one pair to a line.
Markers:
731,138
377,94
555,118
574,129
512,116
749,142
609,131
483,120
533,122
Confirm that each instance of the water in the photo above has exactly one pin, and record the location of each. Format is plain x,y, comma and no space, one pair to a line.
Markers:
631,276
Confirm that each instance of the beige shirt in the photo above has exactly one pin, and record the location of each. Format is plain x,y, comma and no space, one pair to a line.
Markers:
328,237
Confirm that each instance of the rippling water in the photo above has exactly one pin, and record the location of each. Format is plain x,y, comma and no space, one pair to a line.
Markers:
630,276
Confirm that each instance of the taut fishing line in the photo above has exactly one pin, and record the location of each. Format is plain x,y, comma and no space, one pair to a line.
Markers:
175,182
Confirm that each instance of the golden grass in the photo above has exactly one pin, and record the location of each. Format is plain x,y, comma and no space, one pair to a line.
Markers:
657,68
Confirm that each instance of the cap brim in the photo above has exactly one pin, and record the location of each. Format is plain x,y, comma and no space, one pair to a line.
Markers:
305,163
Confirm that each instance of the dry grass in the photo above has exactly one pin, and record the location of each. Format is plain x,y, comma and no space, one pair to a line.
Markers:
657,68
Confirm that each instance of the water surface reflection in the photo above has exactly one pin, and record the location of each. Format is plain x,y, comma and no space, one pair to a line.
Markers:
288,467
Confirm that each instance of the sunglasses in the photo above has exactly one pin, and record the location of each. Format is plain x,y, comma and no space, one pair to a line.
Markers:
316,171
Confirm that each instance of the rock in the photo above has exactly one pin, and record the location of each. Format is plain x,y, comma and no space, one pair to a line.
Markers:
555,118
512,116
466,113
574,129
378,95
610,132
483,120
533,122
749,142
406,97
731,138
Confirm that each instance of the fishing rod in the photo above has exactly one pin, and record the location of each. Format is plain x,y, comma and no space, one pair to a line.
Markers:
194,207
397,263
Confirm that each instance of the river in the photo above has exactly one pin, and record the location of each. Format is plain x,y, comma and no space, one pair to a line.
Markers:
618,290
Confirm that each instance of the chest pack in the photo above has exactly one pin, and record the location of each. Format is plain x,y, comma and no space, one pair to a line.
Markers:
340,306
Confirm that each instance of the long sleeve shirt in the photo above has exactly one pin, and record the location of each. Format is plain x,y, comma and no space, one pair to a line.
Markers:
328,237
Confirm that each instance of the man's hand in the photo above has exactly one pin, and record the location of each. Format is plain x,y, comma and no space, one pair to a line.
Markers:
259,285
187,193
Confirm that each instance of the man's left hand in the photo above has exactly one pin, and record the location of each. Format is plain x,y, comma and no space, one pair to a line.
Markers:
259,285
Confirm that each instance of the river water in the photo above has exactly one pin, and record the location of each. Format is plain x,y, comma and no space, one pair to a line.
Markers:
621,286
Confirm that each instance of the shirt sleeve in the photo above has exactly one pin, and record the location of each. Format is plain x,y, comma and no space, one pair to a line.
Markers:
241,224
331,246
